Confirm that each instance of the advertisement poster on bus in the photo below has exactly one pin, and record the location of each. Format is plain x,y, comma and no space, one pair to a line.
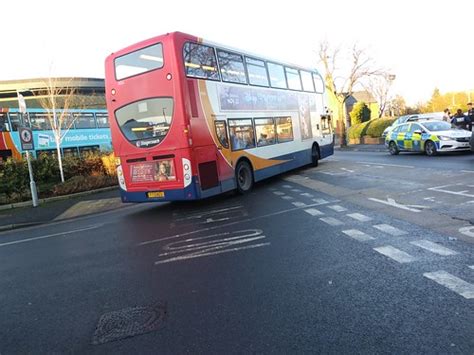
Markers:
161,170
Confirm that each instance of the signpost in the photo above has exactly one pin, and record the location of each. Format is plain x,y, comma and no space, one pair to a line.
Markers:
27,144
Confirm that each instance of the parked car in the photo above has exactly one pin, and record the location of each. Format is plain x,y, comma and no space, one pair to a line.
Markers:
429,136
472,141
399,120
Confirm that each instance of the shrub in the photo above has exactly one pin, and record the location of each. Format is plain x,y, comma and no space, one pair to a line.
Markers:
360,113
108,161
14,179
373,128
46,168
84,183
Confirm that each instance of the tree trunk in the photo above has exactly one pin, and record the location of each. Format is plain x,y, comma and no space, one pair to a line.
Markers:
60,159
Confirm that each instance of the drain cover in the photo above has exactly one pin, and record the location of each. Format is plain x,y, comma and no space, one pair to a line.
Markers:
129,322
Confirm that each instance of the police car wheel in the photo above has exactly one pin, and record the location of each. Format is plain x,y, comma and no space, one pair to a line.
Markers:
393,149
430,148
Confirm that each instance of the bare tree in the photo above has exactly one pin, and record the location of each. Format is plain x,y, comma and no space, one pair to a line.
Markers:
344,75
57,98
379,86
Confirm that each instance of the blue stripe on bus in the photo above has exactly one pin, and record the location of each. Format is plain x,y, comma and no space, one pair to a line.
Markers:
192,192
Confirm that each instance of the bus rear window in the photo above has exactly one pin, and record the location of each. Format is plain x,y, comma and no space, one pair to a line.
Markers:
138,62
146,123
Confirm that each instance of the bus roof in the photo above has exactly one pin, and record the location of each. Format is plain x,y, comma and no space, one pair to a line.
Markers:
189,37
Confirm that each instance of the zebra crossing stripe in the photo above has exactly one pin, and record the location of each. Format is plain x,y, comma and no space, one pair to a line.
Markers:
395,254
337,208
358,235
386,228
452,282
331,221
359,217
433,247
314,212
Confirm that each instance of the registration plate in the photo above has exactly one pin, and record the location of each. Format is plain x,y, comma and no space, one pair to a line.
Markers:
155,194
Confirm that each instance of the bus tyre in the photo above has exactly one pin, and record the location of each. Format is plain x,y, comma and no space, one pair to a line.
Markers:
392,148
244,177
314,156
430,148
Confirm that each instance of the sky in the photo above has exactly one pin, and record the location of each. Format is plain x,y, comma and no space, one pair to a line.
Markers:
426,45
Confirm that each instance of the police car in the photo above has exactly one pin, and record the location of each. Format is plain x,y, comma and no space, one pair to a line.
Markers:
429,136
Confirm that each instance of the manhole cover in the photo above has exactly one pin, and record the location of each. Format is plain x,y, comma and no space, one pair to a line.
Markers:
129,322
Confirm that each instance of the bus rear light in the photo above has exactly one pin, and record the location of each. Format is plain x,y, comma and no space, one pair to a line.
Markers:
113,91
187,175
169,76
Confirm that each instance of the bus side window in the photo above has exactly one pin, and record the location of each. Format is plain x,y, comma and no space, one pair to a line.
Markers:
241,134
221,132
284,129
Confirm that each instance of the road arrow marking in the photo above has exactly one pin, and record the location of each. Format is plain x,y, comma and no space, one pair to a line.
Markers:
393,203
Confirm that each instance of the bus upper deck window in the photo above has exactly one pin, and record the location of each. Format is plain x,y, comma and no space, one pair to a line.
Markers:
138,62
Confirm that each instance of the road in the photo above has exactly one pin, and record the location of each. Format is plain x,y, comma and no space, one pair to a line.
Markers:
363,254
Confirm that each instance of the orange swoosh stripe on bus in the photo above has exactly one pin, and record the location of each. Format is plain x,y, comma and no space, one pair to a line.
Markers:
230,156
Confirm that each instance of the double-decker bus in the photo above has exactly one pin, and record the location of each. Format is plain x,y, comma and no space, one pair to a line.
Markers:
191,118
89,131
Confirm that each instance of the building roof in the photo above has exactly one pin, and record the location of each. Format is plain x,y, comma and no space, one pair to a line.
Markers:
88,92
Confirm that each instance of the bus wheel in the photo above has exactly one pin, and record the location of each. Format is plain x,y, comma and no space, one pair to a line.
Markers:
430,148
314,156
244,177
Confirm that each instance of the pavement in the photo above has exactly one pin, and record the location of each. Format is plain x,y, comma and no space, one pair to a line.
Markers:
363,148
66,207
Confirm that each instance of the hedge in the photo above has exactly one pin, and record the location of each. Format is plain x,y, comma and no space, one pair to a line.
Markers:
81,174
373,128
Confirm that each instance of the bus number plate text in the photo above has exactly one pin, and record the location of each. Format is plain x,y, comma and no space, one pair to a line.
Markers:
155,194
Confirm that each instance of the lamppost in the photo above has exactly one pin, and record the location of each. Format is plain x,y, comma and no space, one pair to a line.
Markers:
391,78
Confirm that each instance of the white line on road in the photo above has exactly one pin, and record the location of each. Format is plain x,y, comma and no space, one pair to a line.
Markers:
348,170
359,217
287,198
337,208
296,190
433,247
395,254
467,171
279,193
307,194
331,221
287,186
321,201
442,189
471,267
395,165
452,282
314,212
358,235
393,203
469,231
52,235
386,228
299,204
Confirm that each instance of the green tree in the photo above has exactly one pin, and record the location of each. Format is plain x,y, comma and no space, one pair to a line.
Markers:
360,113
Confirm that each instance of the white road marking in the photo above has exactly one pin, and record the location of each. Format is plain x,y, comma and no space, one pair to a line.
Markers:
52,235
314,212
359,217
299,204
287,186
321,201
178,218
348,170
307,194
452,282
442,189
393,203
296,190
279,193
386,228
395,165
287,197
469,231
210,245
471,267
331,221
337,208
358,235
331,173
467,171
395,254
433,247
